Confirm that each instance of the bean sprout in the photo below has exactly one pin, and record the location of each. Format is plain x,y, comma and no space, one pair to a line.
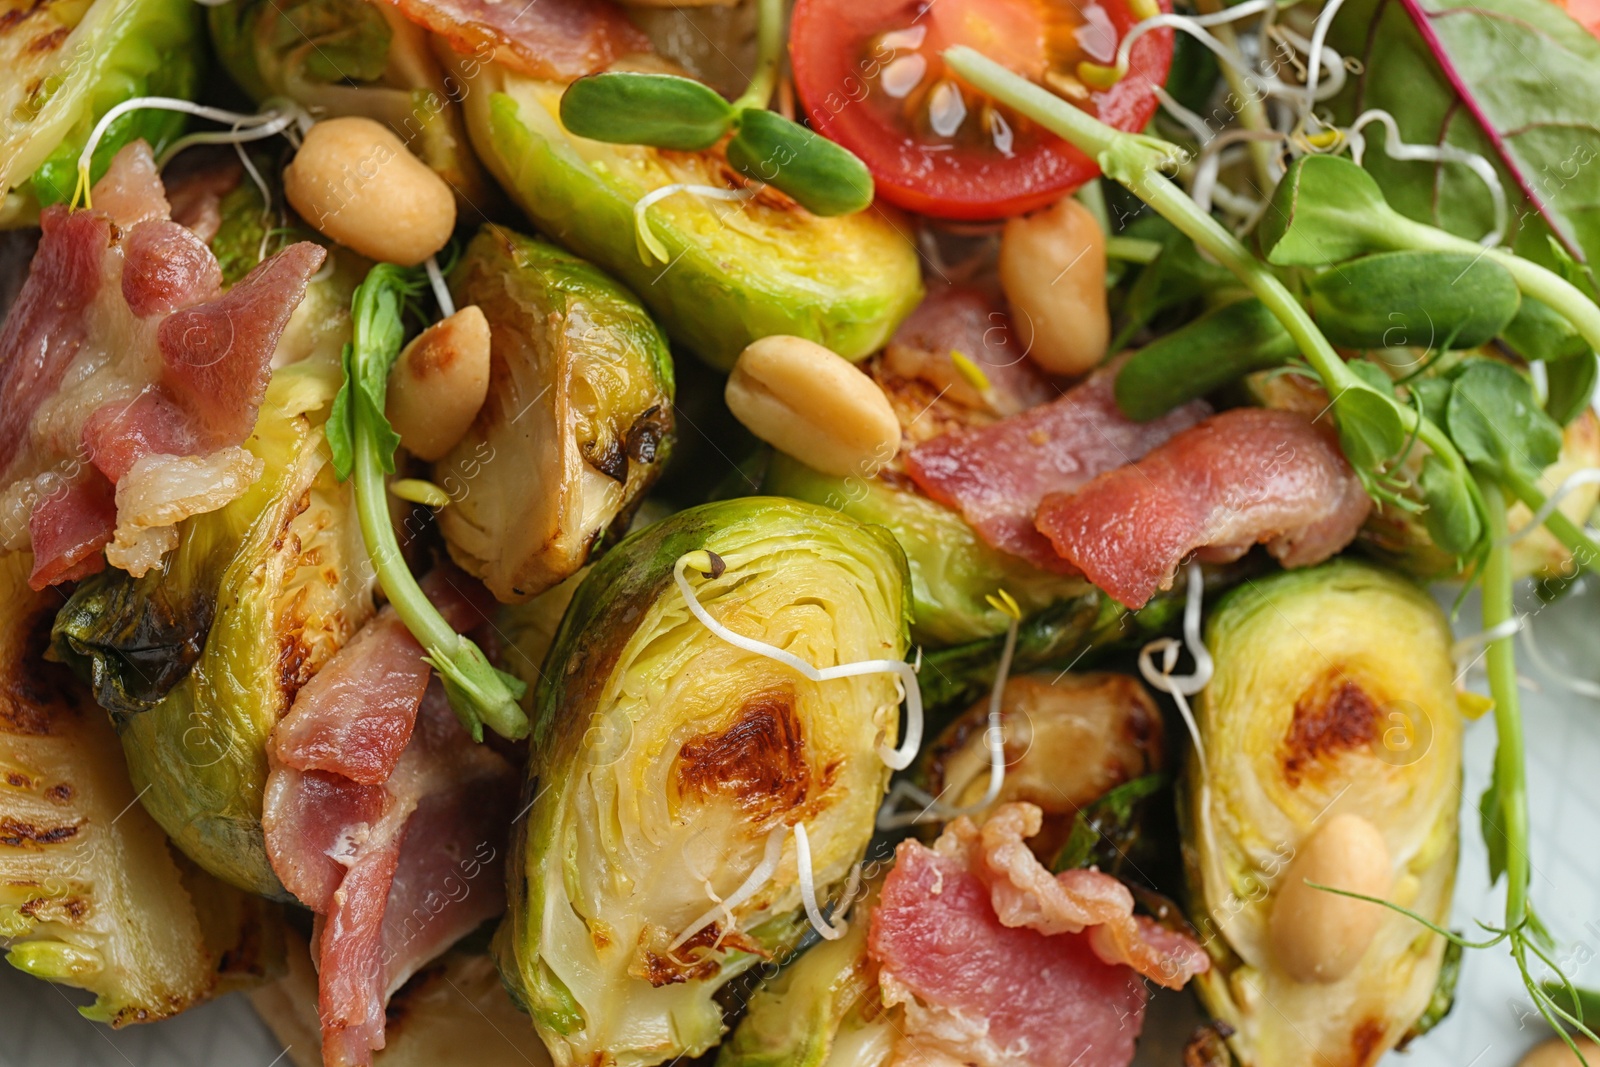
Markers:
1398,149
650,246
1574,481
1183,686
899,759
808,887
748,888
441,292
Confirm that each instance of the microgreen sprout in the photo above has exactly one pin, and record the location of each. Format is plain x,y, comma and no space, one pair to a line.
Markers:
650,246
363,444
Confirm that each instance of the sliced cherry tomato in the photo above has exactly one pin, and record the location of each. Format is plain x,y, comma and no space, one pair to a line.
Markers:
870,77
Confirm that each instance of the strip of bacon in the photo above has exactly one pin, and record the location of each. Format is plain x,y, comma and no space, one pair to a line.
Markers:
167,267
355,716
962,318
70,527
997,475
556,40
1240,478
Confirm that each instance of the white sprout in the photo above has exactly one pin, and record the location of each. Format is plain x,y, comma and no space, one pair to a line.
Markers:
748,888
1581,686
441,292
898,759
1398,149
1468,646
808,887
1195,26
1182,686
1204,186
1575,480
1320,56
650,246
890,817
234,135
1196,125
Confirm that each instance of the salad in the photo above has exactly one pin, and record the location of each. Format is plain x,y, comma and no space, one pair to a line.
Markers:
790,534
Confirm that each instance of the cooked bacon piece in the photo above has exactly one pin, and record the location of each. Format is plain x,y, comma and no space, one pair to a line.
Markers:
70,526
48,322
196,182
397,872
355,715
218,355
118,435
962,318
997,475
130,191
1239,478
167,267
557,40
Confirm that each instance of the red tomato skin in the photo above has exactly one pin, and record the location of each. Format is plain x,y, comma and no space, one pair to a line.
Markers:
954,185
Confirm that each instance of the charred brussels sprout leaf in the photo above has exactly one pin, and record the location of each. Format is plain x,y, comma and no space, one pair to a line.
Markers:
577,424
66,64
739,271
1107,830
1333,692
286,578
666,758
952,570
90,893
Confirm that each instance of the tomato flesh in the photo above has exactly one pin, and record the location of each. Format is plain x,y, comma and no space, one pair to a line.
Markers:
870,76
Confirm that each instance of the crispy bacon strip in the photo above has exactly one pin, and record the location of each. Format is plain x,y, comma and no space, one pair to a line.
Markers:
996,475
557,40
1240,478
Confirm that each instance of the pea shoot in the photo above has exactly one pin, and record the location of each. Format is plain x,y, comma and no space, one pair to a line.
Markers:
363,445
673,112
1487,438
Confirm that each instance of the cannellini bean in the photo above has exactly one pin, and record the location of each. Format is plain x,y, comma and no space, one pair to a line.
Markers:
439,383
805,400
1319,936
357,183
1555,1053
1053,271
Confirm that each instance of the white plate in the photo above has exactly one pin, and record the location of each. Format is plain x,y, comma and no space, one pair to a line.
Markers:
1492,1024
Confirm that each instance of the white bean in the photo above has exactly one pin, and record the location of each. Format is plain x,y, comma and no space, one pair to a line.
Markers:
805,400
1053,271
358,184
439,383
1555,1053
1318,936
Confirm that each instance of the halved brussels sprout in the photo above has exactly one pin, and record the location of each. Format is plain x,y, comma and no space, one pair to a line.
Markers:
256,597
352,57
952,569
90,894
669,767
577,423
453,1004
66,63
734,272
1068,739
1332,704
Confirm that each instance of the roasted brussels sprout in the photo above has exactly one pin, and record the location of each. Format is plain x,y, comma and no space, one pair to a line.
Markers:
1332,755
1068,739
669,766
738,272
577,423
952,570
351,57
90,894
66,63
255,598
454,1003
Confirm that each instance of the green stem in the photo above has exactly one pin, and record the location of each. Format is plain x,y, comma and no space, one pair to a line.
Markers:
1583,548
1500,660
1135,160
769,51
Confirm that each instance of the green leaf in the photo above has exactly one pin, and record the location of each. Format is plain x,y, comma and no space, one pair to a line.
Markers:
1177,276
1371,430
1494,834
1530,75
1373,375
340,429
1433,393
1326,210
376,330
660,110
1451,520
1104,830
824,177
1570,385
1201,357
1586,1007
1497,424
1419,298
1539,331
